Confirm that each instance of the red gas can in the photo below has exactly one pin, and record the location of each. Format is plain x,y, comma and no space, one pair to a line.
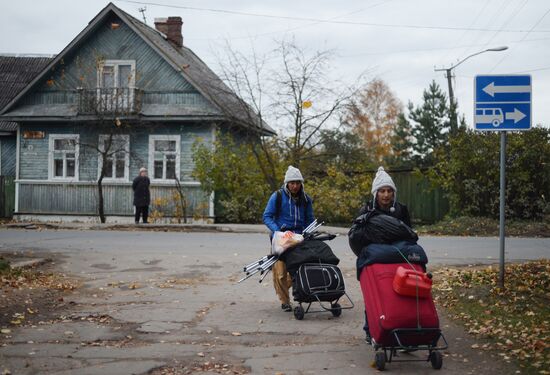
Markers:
409,282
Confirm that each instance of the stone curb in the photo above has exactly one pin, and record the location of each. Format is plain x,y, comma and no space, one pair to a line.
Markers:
227,228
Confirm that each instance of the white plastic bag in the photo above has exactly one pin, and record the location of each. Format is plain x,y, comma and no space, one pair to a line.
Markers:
284,240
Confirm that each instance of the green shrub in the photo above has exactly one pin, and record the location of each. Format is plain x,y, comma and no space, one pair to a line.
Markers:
470,173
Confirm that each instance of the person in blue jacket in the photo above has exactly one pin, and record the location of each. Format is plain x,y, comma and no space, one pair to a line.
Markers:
289,208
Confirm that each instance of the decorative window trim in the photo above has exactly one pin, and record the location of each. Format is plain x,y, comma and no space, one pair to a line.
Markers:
116,63
151,167
51,141
126,138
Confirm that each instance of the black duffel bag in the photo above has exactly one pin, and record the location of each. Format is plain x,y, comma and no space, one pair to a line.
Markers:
378,228
312,251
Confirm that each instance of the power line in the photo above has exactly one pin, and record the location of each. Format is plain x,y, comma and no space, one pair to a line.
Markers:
525,36
318,20
286,30
464,33
413,50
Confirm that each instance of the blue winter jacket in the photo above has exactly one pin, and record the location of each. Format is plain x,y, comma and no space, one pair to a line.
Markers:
291,216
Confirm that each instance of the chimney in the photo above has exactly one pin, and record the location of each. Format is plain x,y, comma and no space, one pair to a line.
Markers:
171,27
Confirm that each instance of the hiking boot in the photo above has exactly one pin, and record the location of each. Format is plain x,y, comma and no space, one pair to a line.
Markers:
286,307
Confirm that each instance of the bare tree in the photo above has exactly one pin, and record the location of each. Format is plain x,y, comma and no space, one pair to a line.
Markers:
108,139
307,99
114,112
291,88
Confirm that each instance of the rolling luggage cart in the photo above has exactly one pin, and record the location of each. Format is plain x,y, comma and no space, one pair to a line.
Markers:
405,321
317,282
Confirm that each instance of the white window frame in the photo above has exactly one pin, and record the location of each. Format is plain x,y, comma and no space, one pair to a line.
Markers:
126,138
152,139
115,64
51,166
124,100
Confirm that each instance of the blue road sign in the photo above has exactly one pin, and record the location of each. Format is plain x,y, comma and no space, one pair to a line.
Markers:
502,102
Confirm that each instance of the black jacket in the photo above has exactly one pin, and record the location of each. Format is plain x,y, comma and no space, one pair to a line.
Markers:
380,226
142,196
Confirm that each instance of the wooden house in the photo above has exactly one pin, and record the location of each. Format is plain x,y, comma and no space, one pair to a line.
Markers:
119,83
16,71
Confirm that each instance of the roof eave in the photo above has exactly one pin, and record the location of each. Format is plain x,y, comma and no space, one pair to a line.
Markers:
91,25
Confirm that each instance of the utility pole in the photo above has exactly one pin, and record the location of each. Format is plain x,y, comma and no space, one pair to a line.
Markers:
449,75
142,11
452,104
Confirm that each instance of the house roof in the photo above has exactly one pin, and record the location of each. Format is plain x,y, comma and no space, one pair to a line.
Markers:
183,60
15,74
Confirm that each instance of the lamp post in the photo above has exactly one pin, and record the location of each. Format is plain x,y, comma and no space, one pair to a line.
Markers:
448,73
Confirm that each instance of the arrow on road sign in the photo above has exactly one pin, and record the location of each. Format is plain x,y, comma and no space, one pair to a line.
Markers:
491,89
517,115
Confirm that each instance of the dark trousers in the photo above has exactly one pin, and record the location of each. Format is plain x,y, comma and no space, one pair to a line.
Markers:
366,326
142,211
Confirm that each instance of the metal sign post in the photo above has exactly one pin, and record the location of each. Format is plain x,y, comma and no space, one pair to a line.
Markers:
502,103
502,206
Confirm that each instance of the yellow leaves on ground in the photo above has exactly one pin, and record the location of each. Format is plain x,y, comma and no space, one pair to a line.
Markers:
514,320
35,279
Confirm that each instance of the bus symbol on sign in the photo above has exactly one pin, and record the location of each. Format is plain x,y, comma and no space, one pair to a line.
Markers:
491,116
502,102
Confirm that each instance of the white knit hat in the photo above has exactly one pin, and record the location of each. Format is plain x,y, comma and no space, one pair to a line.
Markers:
381,180
293,174
142,169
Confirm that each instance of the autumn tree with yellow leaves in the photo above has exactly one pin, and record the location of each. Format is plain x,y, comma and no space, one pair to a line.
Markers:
373,115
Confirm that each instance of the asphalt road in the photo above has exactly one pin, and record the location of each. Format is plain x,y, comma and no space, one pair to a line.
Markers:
172,300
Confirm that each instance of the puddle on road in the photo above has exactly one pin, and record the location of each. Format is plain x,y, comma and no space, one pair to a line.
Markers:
151,262
103,266
147,269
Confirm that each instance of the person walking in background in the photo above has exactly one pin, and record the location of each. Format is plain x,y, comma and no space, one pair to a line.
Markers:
142,196
289,208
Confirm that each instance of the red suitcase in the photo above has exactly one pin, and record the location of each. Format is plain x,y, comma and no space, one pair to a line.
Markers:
397,321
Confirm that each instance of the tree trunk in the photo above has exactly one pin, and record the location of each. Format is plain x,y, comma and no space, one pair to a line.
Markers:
100,208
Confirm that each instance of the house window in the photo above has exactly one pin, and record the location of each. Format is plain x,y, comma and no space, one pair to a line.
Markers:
117,74
116,81
164,157
115,154
63,156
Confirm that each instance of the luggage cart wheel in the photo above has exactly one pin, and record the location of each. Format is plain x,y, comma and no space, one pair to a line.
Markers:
436,359
336,309
299,312
380,360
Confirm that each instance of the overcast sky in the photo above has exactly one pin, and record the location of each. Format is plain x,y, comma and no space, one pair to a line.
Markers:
399,41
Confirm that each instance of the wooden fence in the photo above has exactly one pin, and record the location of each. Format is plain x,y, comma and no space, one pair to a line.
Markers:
426,203
7,196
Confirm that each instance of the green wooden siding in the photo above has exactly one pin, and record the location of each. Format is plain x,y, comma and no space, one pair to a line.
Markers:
34,152
7,156
7,196
81,199
159,81
426,203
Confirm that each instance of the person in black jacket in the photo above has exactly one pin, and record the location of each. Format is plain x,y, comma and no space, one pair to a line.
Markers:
384,200
142,196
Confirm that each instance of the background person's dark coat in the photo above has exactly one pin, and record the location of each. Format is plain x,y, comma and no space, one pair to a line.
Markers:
142,196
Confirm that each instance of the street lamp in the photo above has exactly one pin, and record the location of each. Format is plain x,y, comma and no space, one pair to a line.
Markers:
448,71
